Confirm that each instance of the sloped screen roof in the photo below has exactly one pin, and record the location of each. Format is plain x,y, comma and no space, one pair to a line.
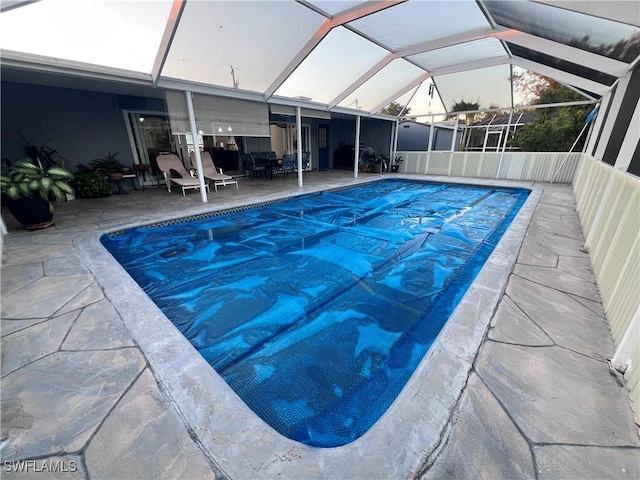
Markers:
333,55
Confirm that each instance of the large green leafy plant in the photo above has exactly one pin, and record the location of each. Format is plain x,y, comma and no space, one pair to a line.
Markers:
91,183
28,179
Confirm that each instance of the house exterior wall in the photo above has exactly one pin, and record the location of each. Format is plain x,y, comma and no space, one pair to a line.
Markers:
374,133
414,137
81,125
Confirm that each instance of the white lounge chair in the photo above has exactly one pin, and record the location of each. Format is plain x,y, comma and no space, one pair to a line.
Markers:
210,172
174,172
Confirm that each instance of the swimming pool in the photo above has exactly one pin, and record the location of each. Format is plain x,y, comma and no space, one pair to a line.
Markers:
316,310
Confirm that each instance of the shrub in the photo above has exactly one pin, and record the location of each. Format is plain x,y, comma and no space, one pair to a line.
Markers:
91,184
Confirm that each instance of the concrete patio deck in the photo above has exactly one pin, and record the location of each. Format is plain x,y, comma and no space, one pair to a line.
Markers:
80,395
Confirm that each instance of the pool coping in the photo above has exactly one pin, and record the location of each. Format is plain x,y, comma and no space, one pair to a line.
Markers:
400,444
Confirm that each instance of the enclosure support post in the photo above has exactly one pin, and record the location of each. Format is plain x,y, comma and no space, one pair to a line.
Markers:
426,168
196,146
394,142
299,140
357,155
506,137
453,144
504,145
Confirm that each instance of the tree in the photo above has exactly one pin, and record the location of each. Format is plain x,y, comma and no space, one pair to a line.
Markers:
530,85
469,117
555,129
395,109
464,106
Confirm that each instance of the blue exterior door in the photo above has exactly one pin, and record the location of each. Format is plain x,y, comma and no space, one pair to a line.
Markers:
323,146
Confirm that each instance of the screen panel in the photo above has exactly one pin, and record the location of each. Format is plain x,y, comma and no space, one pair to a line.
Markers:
239,44
593,34
122,34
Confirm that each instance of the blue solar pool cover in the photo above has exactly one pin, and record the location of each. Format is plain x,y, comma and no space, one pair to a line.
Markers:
316,310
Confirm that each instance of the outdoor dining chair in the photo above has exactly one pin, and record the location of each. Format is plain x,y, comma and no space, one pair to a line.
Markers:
249,164
289,164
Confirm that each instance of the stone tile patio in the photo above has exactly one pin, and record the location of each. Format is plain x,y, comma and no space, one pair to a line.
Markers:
78,391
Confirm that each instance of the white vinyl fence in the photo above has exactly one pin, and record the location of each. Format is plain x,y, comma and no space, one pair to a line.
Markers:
535,166
608,203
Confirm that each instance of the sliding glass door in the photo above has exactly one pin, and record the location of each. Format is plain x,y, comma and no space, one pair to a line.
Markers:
149,135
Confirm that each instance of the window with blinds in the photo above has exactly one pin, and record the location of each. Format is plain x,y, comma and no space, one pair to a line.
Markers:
218,115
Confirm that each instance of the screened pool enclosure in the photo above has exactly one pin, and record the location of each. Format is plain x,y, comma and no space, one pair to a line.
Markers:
340,56
223,66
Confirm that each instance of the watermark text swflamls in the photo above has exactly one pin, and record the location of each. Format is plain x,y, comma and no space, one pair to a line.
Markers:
35,466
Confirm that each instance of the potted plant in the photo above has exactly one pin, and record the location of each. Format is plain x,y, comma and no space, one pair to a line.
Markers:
380,162
89,183
47,155
141,167
396,164
108,165
30,189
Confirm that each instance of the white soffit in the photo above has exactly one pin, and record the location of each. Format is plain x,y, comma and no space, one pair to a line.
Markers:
288,111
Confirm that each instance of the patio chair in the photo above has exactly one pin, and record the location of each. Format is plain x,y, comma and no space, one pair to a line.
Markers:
210,172
249,164
306,164
289,164
174,172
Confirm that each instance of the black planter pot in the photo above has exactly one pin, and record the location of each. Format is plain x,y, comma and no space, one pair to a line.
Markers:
33,213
